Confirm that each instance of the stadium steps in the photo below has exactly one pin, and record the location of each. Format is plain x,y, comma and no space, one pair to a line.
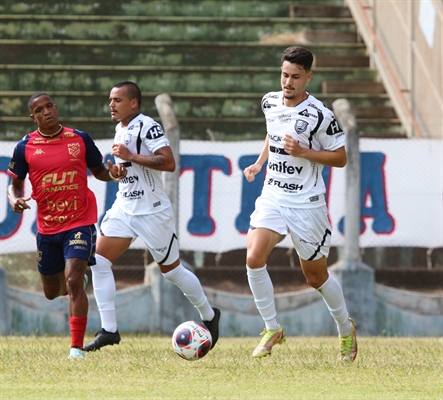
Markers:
216,60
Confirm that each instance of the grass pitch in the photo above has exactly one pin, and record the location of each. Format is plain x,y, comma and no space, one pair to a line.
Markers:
145,367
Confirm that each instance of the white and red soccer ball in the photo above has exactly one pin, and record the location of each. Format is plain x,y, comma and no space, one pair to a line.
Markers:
191,340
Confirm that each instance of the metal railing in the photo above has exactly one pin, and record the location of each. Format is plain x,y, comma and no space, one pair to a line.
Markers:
404,40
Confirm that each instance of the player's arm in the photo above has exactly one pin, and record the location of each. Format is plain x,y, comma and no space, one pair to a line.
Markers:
112,173
161,160
331,158
15,196
254,169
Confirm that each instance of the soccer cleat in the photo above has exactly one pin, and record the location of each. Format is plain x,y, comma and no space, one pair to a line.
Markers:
103,338
348,344
76,353
213,326
269,339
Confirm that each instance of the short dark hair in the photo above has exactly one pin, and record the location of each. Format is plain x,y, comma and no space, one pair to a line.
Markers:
298,55
133,91
36,96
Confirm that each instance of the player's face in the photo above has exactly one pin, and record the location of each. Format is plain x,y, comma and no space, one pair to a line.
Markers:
122,108
293,82
44,113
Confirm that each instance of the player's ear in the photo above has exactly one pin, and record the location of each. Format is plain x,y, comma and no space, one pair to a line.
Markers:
309,77
32,117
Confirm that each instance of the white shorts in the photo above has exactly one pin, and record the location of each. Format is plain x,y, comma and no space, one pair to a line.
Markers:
309,228
156,230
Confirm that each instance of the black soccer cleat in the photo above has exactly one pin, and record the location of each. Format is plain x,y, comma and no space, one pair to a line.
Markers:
213,326
103,338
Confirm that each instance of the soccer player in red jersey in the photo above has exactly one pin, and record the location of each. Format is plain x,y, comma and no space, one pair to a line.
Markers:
56,158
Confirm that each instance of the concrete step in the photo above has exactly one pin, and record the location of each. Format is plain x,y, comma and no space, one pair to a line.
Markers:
36,27
92,104
369,87
159,53
162,8
319,10
163,78
347,61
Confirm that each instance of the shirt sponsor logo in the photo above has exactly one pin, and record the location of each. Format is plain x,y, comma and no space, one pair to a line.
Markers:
300,126
154,132
284,168
54,179
275,138
50,220
333,128
314,107
285,118
266,104
62,205
136,194
129,179
306,113
287,186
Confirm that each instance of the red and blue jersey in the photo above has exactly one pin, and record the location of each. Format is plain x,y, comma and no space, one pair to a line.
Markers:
57,169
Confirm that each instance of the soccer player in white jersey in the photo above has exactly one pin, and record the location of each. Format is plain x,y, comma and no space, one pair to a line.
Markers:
142,209
302,137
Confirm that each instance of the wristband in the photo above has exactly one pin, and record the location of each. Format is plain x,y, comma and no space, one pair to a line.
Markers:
113,177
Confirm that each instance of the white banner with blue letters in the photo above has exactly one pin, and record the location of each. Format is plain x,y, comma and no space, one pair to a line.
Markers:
401,196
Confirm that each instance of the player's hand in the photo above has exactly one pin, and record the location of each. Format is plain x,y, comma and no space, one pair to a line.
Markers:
121,151
117,171
19,204
291,146
251,171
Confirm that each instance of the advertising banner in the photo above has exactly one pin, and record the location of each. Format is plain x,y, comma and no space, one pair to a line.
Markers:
401,196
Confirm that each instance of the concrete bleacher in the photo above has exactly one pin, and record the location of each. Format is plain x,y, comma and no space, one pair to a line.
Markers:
215,59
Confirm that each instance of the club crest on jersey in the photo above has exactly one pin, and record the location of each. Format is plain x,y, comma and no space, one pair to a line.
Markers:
300,126
127,138
74,149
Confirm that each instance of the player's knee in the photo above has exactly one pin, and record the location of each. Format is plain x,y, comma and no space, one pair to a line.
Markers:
50,295
316,280
254,261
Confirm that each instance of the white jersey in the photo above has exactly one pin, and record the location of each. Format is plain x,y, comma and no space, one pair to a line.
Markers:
142,191
292,181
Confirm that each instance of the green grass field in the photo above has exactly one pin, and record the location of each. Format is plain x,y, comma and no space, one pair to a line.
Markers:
145,367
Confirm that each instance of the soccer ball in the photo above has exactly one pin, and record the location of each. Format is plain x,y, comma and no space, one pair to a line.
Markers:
191,340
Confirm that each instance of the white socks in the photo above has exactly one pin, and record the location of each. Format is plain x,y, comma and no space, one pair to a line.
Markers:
332,294
104,292
191,287
263,292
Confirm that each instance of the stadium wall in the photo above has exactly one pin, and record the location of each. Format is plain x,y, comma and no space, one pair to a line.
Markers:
157,306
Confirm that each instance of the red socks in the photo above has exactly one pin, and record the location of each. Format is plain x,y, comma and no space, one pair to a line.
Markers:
78,329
